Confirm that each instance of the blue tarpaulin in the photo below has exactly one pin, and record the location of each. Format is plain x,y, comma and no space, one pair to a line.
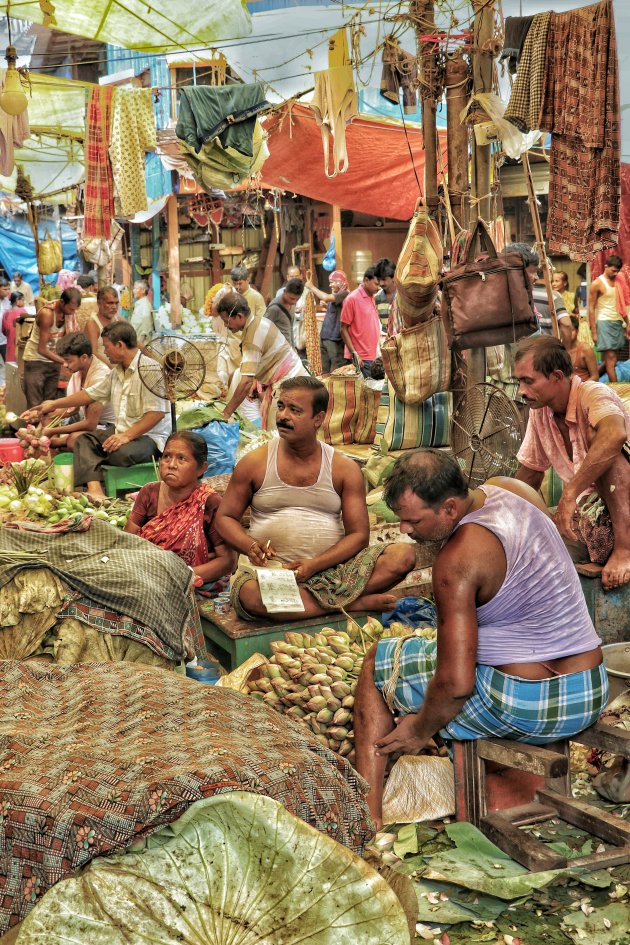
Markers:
17,247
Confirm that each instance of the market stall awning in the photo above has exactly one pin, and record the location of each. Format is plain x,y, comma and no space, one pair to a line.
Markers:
158,26
380,179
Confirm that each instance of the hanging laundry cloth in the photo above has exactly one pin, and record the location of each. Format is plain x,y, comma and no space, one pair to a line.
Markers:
581,110
400,71
14,130
99,181
226,112
132,134
170,152
525,101
516,30
335,104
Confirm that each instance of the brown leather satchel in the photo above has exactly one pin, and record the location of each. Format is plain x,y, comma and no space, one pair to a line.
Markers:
487,300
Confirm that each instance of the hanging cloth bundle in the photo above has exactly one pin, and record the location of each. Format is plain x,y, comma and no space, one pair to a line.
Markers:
335,103
311,331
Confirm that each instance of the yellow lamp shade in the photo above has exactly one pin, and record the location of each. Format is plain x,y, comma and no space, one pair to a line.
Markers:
13,101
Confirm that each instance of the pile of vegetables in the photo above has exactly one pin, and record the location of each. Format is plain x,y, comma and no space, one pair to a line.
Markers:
33,442
313,678
26,495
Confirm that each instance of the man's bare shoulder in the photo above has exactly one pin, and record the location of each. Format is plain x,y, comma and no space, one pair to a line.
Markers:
346,470
252,464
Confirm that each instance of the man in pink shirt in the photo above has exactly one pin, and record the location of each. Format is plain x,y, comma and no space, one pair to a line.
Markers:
581,429
360,325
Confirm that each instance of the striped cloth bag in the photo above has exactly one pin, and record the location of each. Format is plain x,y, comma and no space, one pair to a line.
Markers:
408,426
352,410
419,268
417,361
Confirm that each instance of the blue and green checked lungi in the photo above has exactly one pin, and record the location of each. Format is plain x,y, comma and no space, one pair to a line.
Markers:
501,706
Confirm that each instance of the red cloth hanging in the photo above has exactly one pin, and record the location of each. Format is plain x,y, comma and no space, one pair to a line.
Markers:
99,181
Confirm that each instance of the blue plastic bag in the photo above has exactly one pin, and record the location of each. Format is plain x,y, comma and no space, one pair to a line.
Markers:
414,612
329,262
222,442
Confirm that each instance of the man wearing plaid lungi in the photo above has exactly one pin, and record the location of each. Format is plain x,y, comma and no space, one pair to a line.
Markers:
516,655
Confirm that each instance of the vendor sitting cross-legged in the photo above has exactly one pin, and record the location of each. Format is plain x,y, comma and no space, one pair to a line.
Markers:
517,655
142,419
308,511
178,513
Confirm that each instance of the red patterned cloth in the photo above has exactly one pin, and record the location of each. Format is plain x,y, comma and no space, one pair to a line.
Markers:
581,110
95,756
99,181
180,528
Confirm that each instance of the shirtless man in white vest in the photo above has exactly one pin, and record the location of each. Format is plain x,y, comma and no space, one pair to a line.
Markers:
607,316
308,511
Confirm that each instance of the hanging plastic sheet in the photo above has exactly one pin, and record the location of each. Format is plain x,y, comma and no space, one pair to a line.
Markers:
161,26
17,247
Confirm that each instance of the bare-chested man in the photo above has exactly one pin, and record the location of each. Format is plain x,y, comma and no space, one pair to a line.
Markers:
308,511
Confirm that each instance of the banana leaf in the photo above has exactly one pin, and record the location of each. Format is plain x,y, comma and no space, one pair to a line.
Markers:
238,870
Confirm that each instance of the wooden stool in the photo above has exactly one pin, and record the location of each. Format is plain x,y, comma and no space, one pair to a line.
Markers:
536,788
125,478
609,610
233,640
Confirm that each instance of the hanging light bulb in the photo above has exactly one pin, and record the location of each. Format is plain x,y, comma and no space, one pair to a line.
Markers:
13,101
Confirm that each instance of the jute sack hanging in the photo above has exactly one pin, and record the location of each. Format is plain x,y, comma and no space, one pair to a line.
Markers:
487,300
352,410
417,361
49,256
419,268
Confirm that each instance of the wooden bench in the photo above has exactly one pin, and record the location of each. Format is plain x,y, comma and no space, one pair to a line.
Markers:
609,610
503,785
232,640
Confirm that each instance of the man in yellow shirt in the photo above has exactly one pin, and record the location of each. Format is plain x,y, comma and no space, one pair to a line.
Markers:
240,281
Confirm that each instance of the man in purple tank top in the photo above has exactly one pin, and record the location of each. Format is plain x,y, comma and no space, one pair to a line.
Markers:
516,656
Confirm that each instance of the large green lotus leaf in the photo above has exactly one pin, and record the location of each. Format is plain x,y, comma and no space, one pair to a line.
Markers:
478,864
239,870
607,926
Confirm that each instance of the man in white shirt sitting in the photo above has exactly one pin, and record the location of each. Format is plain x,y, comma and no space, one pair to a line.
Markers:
143,420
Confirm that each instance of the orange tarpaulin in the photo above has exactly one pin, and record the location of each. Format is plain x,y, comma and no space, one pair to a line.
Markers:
380,179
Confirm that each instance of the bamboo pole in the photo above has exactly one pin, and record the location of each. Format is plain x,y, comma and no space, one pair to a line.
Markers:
482,65
540,240
423,12
173,261
457,138
336,229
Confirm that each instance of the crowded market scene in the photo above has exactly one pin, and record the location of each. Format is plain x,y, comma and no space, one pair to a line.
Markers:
315,472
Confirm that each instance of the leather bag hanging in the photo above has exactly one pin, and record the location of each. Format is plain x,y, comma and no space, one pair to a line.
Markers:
417,361
49,256
419,268
488,300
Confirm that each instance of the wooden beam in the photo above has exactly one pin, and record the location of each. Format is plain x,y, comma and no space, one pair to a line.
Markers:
457,92
526,850
423,12
536,759
336,228
592,819
270,262
155,261
483,63
173,261
540,242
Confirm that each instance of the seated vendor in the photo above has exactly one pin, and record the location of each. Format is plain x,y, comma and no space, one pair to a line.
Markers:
86,369
580,428
142,418
516,656
308,511
178,513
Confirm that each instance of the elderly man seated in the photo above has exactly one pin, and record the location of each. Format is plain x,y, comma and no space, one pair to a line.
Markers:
143,421
308,511
516,656
581,429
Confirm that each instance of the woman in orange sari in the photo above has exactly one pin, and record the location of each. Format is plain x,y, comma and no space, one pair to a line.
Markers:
178,512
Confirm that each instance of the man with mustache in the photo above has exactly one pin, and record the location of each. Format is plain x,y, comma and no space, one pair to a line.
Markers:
516,655
308,512
581,429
